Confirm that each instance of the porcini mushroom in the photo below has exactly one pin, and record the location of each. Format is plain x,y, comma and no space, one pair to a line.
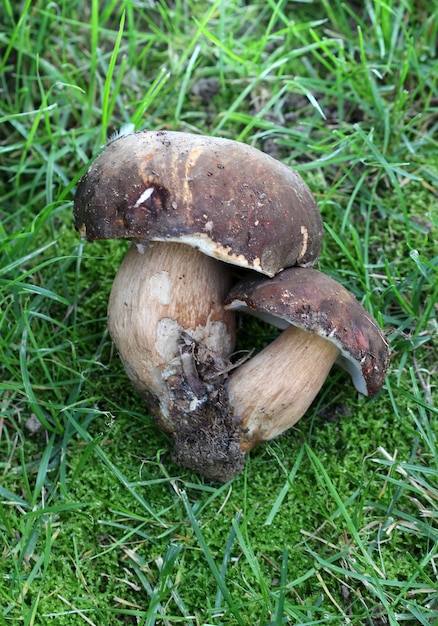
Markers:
225,198
181,197
324,324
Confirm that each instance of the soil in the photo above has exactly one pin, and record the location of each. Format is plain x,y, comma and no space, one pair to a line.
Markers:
206,434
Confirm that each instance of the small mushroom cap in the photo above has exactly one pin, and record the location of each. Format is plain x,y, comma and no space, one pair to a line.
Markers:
314,302
229,200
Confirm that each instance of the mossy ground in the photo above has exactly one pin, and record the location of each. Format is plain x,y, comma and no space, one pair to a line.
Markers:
334,522
93,547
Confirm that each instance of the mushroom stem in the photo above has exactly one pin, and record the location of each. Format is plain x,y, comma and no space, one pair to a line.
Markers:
166,317
265,402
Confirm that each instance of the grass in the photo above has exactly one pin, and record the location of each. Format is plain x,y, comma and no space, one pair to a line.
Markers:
333,523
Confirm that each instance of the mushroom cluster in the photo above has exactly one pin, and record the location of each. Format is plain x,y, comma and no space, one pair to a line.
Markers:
218,226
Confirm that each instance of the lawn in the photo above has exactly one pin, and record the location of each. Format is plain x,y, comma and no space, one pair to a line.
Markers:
334,522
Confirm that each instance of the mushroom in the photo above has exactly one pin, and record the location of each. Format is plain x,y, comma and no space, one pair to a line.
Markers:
225,198
324,324
192,205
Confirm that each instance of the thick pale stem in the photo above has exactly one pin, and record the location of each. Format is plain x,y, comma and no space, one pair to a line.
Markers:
158,294
273,390
167,319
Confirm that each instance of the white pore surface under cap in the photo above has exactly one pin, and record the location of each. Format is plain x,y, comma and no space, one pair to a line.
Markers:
203,243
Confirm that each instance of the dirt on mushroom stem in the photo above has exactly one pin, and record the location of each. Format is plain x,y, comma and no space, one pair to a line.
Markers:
206,439
206,433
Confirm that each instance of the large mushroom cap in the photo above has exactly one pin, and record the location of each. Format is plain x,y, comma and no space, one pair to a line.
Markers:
316,303
226,198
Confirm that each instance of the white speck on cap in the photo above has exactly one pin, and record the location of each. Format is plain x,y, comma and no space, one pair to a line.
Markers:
144,196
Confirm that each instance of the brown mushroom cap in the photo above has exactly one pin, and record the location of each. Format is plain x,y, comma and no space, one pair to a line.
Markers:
316,303
223,197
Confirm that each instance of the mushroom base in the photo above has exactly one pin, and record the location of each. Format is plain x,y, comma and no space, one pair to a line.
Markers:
199,418
207,439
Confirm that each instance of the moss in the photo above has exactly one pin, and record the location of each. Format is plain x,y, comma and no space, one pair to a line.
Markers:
340,447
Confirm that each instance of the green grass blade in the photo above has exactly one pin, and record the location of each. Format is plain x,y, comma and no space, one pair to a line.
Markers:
210,560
